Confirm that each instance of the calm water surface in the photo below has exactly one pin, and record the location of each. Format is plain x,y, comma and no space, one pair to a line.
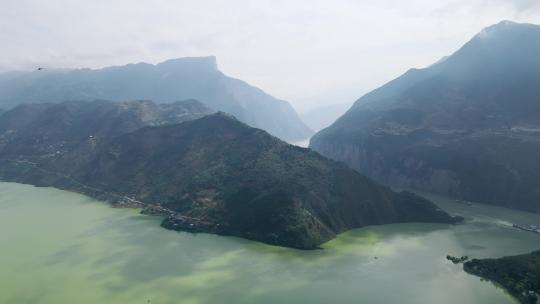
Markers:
59,247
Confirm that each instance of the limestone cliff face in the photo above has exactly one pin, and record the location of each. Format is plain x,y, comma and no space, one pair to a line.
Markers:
372,164
466,126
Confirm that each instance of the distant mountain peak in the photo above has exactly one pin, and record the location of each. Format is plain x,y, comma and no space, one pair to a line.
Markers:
221,114
205,61
175,79
508,23
505,26
459,127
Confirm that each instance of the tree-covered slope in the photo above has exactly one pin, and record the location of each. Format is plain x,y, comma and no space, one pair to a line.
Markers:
214,174
467,126
35,130
520,274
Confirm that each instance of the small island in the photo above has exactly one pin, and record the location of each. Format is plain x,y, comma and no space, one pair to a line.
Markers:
457,260
519,275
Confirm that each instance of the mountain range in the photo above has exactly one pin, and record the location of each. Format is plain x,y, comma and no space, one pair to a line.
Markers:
202,171
177,79
467,126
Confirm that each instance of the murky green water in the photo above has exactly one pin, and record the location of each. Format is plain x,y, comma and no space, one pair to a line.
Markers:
58,247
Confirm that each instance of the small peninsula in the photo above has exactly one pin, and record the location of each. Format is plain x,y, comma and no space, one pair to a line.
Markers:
203,173
519,275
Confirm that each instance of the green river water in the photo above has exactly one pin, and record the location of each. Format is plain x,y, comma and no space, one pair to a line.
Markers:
59,247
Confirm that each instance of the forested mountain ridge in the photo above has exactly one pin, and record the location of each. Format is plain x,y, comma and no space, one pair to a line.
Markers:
212,174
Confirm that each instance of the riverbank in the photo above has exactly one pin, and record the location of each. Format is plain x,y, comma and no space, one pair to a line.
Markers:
519,275
64,248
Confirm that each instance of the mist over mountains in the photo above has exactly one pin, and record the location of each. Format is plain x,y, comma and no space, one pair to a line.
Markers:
468,126
177,79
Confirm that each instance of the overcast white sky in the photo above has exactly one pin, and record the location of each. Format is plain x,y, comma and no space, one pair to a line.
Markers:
308,52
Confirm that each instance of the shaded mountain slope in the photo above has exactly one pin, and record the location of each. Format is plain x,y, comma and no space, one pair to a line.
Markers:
519,274
467,126
184,78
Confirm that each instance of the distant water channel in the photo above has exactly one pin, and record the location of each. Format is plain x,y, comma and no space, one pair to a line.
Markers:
302,143
59,247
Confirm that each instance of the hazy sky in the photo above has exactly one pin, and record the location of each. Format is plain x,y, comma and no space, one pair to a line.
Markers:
306,51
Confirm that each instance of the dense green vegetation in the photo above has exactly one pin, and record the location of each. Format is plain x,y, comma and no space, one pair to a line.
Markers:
457,260
520,275
182,78
212,174
467,126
